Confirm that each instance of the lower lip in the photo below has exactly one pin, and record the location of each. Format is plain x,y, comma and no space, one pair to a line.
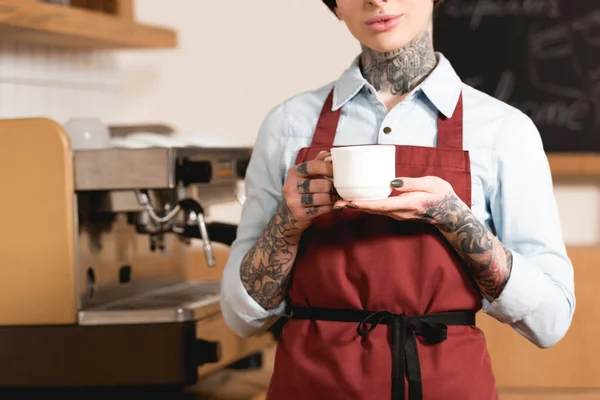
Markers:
384,25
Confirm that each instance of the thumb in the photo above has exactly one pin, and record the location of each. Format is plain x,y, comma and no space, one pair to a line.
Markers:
323,155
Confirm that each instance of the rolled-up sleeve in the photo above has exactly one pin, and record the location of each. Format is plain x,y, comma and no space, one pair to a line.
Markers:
263,183
539,298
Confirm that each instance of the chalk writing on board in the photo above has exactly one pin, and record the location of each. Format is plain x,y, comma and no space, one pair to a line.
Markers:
558,114
587,25
567,44
540,56
478,10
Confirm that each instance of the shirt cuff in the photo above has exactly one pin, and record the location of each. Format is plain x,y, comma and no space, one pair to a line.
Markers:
243,305
521,295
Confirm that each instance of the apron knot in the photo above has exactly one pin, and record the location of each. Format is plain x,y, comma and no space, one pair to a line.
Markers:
368,324
432,332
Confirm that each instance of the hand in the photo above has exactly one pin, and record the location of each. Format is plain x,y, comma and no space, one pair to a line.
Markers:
429,199
306,191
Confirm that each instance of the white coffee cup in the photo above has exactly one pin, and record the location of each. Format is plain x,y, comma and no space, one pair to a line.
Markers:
364,172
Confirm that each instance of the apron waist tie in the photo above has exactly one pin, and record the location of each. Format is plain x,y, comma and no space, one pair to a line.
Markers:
404,329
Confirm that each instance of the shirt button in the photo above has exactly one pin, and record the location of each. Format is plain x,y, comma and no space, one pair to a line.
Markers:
387,130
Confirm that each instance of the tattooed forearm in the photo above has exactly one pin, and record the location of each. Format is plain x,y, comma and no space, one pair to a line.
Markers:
488,260
266,268
398,72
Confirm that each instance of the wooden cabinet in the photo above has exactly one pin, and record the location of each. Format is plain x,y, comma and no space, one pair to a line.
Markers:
574,164
569,370
32,21
211,326
233,348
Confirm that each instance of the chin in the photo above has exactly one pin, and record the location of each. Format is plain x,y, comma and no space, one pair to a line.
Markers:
381,44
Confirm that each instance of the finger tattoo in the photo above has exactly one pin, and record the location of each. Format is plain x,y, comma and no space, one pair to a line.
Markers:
312,211
302,168
303,186
307,199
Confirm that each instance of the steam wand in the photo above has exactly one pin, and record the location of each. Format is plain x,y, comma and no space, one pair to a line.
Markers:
196,219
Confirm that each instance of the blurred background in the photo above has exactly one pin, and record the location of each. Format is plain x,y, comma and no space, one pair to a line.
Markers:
151,73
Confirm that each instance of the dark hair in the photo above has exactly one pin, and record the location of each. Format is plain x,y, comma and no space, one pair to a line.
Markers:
332,4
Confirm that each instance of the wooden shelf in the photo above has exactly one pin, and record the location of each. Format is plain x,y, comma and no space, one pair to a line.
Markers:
49,24
576,164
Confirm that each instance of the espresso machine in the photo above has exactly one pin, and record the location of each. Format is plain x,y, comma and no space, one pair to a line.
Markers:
109,262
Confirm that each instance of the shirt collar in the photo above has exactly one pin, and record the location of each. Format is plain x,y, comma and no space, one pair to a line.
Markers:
442,87
348,85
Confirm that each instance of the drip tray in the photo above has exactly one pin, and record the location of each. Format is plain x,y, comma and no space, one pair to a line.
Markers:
175,303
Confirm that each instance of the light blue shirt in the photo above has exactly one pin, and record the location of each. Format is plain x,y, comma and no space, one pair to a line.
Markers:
512,191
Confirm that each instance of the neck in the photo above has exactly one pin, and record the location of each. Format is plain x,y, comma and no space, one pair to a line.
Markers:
400,71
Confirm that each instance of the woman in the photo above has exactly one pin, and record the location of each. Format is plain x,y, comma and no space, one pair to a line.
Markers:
380,296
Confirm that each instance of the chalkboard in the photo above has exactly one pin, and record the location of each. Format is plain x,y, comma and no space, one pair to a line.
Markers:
542,56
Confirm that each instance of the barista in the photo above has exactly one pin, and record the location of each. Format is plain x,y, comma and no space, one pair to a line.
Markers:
380,296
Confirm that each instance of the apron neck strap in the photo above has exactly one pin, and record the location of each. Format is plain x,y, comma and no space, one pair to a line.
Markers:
450,130
327,125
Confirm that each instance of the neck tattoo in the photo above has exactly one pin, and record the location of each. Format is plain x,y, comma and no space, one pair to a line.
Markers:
400,71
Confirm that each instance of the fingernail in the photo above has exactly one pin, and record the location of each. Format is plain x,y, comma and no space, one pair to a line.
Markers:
397,183
352,206
336,208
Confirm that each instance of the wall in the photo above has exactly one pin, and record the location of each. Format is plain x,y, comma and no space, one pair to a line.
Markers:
238,57
245,58
42,81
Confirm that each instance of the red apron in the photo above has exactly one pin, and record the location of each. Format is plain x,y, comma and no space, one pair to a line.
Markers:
381,308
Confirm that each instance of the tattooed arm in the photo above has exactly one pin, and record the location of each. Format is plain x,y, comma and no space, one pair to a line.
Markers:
489,262
266,268
280,204
433,200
